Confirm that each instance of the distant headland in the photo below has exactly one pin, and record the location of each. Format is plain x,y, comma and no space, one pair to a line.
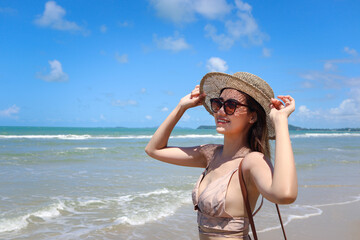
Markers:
296,128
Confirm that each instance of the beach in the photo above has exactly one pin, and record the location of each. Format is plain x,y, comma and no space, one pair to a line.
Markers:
336,222
98,183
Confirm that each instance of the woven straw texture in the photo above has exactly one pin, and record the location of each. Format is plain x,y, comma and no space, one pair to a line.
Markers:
212,83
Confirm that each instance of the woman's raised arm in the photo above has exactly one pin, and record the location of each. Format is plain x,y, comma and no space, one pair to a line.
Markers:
281,185
184,156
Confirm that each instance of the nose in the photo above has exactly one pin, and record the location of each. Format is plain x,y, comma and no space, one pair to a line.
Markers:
222,111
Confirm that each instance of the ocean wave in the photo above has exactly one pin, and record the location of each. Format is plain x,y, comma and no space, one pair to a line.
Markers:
184,136
290,217
17,223
315,211
63,137
314,135
90,137
356,199
155,204
90,148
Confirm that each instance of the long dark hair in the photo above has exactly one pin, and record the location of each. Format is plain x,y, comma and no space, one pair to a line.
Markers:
258,137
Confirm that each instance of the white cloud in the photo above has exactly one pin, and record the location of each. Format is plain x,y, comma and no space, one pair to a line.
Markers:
121,58
148,117
125,24
174,10
173,43
53,17
56,73
347,112
103,28
266,52
10,112
346,108
307,84
182,11
215,64
211,9
224,41
244,29
121,103
143,90
353,82
329,66
304,112
164,109
328,80
350,51
243,6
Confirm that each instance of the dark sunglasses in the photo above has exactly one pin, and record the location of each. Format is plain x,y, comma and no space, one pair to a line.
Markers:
230,105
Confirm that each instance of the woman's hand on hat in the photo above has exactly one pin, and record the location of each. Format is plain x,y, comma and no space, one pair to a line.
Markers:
282,108
193,99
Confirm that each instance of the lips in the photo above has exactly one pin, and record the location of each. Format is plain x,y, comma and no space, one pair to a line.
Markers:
222,121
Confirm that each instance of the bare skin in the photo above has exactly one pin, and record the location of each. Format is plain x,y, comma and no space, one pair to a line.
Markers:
278,184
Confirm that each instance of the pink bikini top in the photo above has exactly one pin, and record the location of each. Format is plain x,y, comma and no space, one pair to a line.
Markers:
212,217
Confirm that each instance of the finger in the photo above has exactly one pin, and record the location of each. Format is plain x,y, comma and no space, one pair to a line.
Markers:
194,93
289,101
287,98
277,103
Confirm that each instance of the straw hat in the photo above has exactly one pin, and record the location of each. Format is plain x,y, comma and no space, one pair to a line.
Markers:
212,83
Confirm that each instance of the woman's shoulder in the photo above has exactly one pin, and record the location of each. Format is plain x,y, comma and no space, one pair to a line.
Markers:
209,150
254,159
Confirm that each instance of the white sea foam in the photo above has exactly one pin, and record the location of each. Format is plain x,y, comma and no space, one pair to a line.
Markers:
90,148
185,136
87,137
335,149
314,135
159,203
17,223
13,224
316,212
64,137
356,199
156,192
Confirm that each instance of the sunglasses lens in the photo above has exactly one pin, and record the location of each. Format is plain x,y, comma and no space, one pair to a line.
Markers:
229,107
216,104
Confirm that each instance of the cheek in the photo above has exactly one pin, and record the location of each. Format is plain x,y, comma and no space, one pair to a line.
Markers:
243,118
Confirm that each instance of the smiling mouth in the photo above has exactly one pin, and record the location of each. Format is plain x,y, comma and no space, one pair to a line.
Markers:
222,121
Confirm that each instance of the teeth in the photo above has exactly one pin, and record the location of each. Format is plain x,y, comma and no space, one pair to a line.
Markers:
223,121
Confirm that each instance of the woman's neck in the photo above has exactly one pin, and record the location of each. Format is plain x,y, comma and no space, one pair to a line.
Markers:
234,145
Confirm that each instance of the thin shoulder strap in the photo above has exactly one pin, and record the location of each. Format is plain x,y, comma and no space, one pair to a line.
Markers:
248,209
246,201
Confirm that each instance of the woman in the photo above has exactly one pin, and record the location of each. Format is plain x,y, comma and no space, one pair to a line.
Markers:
247,114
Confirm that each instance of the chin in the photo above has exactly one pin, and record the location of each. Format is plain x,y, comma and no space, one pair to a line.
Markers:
220,129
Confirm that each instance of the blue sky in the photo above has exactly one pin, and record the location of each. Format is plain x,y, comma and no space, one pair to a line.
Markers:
127,63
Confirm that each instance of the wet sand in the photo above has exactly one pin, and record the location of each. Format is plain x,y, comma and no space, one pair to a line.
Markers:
336,222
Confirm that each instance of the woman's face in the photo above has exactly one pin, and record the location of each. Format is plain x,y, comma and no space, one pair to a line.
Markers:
238,122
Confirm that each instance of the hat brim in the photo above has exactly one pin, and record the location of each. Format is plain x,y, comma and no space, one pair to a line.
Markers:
212,84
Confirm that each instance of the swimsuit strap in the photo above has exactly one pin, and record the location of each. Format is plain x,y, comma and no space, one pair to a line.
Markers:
247,204
246,201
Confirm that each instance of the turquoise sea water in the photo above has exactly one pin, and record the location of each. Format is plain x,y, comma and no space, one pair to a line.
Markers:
98,183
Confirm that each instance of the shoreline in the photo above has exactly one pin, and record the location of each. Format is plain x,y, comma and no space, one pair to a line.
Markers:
336,221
